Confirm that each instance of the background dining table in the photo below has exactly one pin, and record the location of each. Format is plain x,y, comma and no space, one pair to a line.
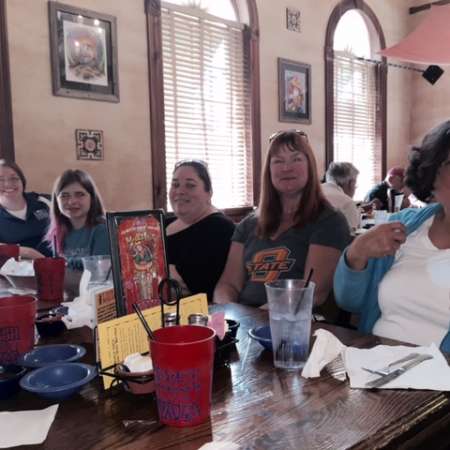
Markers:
254,406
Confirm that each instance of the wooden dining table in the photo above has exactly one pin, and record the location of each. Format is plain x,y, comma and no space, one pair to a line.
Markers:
254,406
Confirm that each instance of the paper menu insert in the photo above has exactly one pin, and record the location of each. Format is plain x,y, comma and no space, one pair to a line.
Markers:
120,337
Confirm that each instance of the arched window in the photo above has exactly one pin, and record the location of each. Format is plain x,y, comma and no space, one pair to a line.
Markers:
355,95
207,92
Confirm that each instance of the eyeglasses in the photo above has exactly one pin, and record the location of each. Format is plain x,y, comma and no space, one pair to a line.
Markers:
10,180
286,134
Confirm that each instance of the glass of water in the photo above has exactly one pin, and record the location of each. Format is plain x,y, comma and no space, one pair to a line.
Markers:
290,312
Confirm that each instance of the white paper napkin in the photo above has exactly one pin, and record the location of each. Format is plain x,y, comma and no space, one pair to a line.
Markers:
219,446
17,268
82,310
433,374
81,313
25,427
325,349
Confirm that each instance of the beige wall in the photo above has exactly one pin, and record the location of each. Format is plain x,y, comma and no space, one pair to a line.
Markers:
44,124
432,105
307,46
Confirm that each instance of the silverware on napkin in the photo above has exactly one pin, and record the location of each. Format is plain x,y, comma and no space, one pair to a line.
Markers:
336,368
388,369
384,379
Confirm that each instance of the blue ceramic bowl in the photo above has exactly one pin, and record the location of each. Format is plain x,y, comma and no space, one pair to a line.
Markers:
58,381
10,376
262,335
50,354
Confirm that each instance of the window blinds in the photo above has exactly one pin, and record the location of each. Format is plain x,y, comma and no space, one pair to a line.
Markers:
206,102
355,103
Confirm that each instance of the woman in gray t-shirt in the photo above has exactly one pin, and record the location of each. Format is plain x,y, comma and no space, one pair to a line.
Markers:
293,230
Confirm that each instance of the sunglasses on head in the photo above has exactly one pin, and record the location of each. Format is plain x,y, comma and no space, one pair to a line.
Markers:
287,134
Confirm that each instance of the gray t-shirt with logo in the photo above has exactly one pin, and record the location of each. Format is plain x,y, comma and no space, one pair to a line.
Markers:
268,260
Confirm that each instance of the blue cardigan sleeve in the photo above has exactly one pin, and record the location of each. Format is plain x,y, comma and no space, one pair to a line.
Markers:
350,286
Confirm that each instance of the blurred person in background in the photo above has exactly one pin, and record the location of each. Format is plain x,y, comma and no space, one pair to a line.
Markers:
380,195
339,189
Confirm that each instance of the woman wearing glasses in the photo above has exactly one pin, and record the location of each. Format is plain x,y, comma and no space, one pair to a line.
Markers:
24,216
293,230
198,238
396,275
77,218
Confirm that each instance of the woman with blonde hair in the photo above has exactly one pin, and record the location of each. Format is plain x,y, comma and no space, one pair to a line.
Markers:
293,230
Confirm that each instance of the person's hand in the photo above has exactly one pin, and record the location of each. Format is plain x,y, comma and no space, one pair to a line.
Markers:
376,204
30,253
380,241
177,277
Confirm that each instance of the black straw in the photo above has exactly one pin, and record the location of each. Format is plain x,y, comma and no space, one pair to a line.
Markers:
143,321
309,277
55,253
108,274
297,307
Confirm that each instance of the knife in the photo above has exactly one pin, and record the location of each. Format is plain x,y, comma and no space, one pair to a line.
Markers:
381,381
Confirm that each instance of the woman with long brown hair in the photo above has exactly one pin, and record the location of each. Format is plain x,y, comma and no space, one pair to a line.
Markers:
293,230
77,226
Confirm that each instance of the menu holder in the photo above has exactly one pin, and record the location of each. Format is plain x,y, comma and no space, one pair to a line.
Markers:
138,257
125,335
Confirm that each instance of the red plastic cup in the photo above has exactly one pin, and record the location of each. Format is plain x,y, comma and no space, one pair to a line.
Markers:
8,251
17,316
50,278
183,358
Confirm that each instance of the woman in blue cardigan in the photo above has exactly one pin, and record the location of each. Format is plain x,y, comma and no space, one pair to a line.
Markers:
396,276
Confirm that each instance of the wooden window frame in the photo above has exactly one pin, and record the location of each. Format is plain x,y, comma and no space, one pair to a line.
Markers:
6,121
337,13
156,88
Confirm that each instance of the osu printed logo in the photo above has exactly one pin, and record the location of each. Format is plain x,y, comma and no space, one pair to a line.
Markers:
268,264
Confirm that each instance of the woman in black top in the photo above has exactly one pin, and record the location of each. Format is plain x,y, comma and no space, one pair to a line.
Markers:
198,238
24,216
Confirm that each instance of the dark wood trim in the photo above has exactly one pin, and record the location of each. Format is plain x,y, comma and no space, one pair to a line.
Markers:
419,8
336,14
6,120
255,97
156,88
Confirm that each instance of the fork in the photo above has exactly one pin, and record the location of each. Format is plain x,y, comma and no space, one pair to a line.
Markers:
387,370
336,368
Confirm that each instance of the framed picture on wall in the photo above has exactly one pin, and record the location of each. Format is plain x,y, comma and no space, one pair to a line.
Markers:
138,256
294,91
83,49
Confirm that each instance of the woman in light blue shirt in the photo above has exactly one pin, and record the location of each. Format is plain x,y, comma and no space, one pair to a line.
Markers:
77,225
